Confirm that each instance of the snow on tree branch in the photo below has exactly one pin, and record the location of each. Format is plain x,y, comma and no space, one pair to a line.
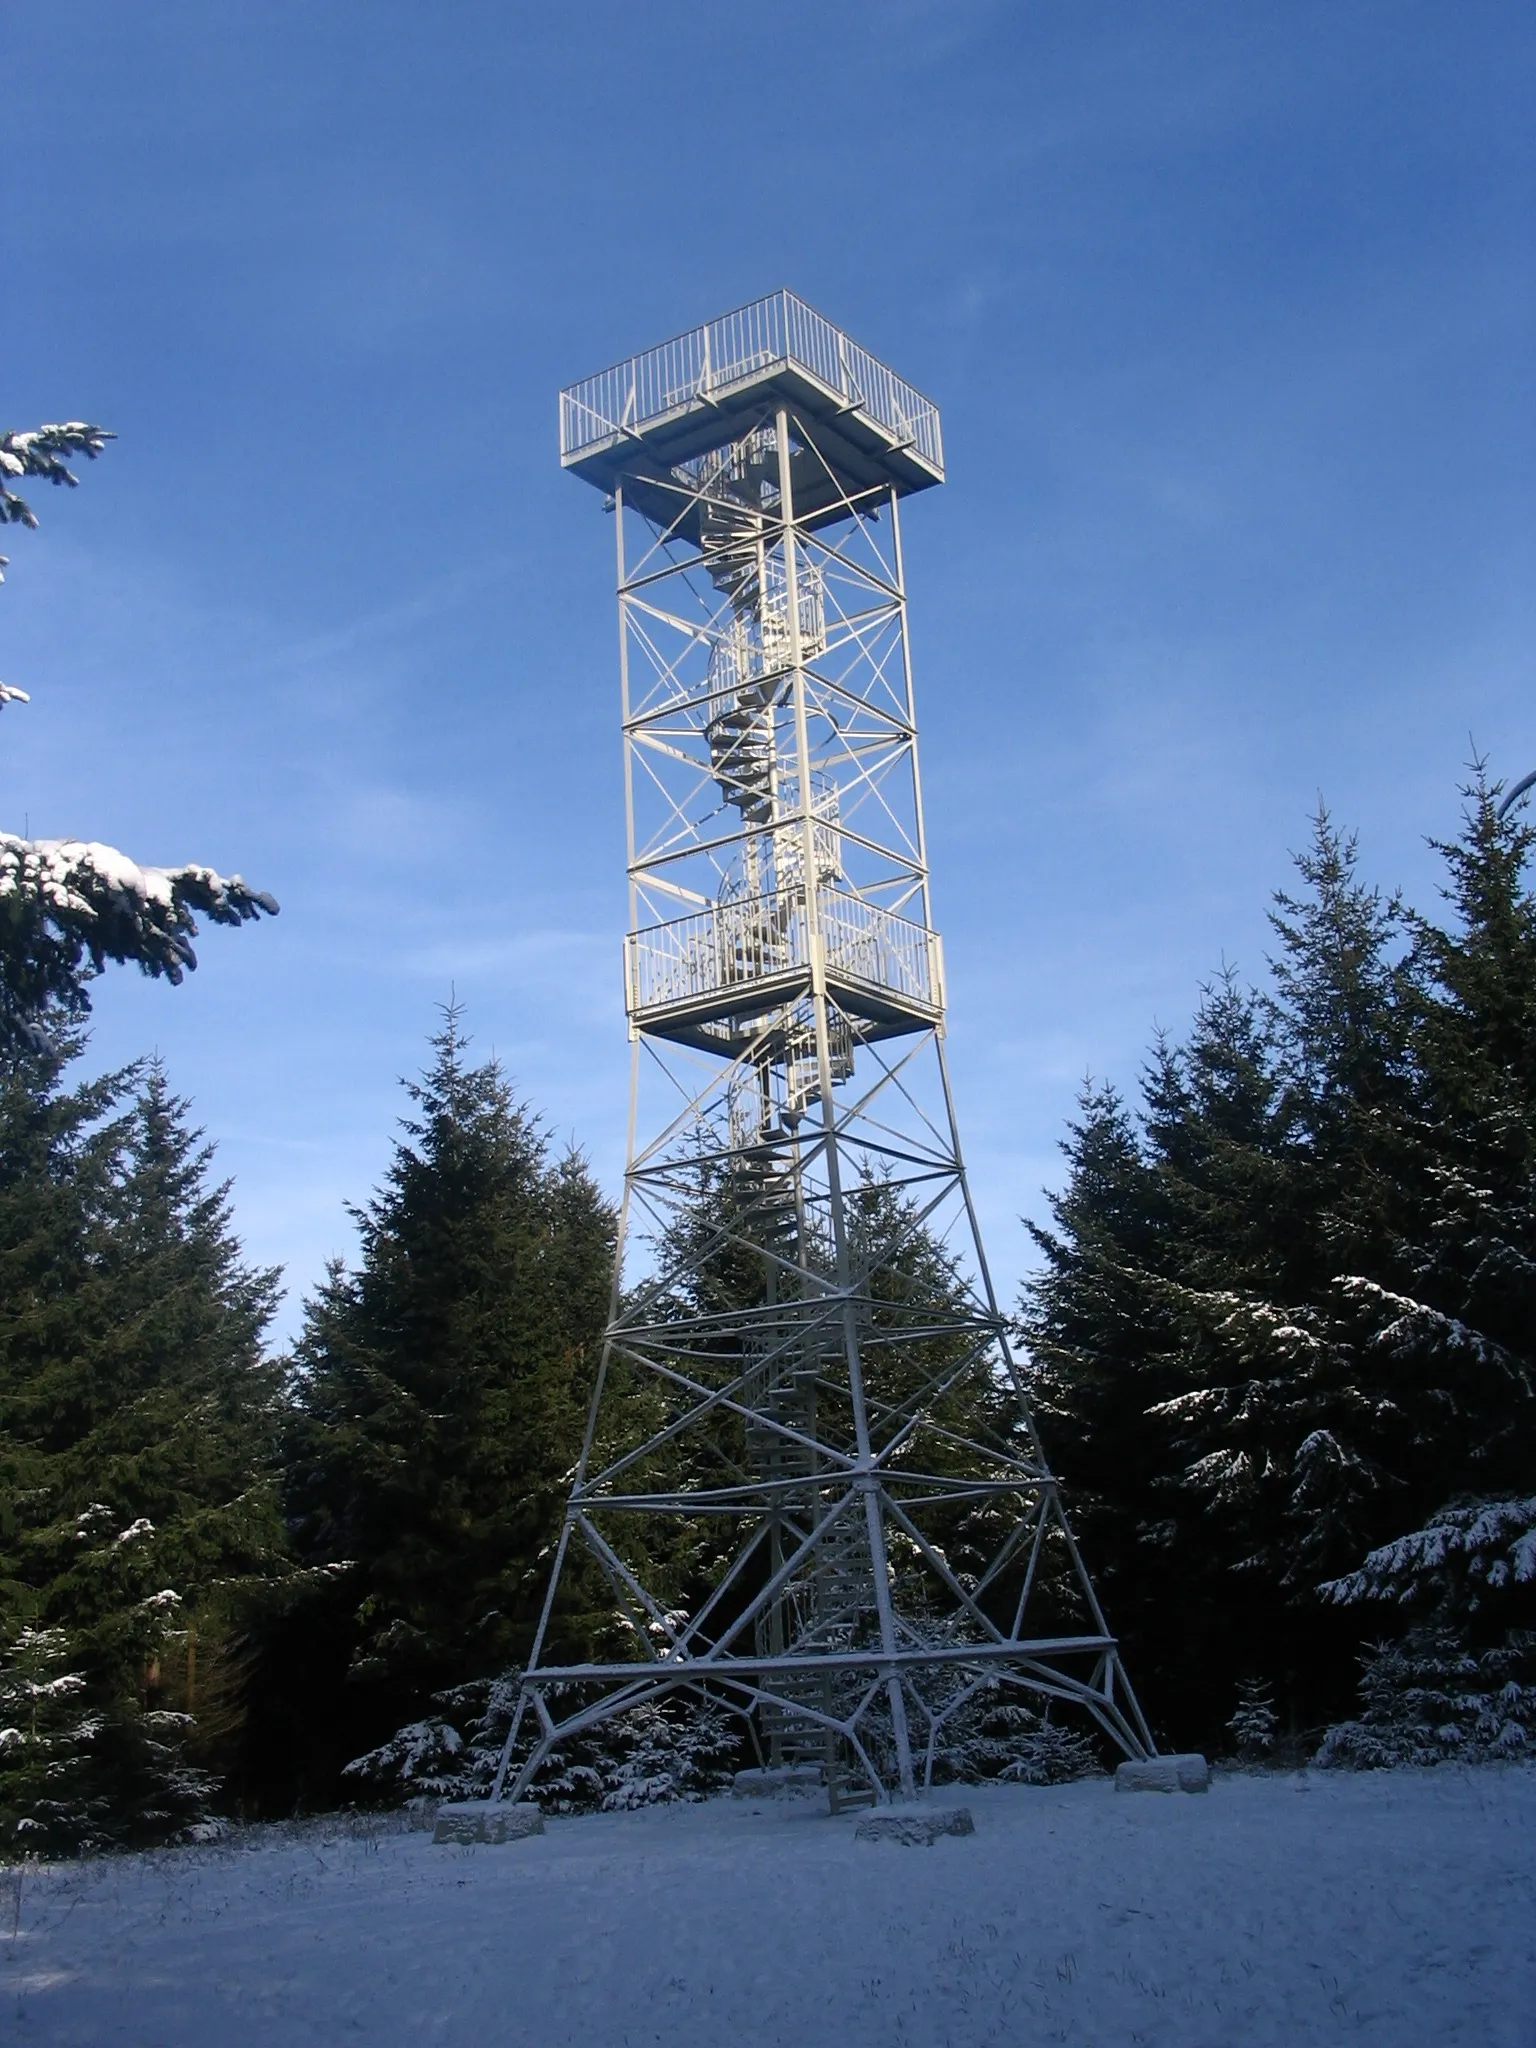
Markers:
40,451
68,906
1488,1541
1415,1325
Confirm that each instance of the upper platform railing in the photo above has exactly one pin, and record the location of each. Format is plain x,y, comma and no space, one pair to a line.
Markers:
780,331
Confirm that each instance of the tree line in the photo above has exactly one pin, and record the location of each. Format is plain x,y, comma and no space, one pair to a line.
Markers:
1281,1340
1284,1328
223,1575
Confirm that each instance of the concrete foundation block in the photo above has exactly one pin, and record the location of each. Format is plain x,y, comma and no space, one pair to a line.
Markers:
1188,1772
485,1820
916,1830
775,1783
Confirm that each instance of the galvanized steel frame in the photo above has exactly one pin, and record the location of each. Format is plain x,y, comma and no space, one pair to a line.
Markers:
839,719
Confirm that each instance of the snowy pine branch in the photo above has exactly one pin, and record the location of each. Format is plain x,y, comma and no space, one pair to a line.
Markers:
1488,1542
68,906
40,451
1414,1326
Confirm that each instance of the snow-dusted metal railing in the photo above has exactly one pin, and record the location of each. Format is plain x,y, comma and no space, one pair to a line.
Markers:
690,959
779,330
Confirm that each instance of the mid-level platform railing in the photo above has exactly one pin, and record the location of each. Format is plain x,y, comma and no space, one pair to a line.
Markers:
690,961
778,330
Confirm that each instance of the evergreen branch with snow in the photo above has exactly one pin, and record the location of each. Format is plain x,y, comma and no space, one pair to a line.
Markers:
1465,1547
1430,1699
68,906
1415,1327
41,452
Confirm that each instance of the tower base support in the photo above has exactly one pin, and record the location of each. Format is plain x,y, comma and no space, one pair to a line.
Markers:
870,1724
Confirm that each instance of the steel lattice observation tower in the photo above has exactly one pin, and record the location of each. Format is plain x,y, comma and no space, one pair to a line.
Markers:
819,1360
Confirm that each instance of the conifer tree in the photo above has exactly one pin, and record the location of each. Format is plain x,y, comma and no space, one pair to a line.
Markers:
1180,1197
1309,1327
1462,1680
1091,1322
439,1395
137,1433
1279,1444
1467,1313
1396,1369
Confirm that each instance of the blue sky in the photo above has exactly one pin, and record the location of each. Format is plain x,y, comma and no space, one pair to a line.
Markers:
1228,311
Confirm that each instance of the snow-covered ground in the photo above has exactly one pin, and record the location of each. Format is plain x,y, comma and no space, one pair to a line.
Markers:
1397,1909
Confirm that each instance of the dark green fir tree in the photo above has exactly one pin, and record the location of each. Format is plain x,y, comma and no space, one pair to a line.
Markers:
138,1424
1098,1339
439,1395
1284,1314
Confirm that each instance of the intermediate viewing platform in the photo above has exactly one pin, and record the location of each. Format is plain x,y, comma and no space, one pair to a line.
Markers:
702,979
639,420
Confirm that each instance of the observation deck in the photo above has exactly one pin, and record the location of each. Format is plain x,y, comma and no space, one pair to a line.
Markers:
641,420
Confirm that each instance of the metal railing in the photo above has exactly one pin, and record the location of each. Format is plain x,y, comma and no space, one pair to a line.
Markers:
868,944
731,945
778,330
690,958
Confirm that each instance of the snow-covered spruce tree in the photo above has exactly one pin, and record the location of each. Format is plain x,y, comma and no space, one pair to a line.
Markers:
137,1439
1091,1327
685,1746
995,1735
438,1401
1460,1685
1255,1724
1428,1699
986,1730
1288,1308
1462,1681
1466,1311
1194,1189
69,906
1299,1433
680,1748
1282,1445
1396,1369
47,1729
